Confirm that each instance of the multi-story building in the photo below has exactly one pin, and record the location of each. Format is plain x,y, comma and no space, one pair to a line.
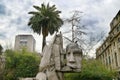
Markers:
25,41
109,51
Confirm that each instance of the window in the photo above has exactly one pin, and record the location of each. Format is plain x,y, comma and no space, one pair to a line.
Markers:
105,44
116,62
23,43
117,17
23,40
109,60
23,37
106,62
119,39
118,28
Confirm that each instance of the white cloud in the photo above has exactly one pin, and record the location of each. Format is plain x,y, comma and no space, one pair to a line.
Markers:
98,15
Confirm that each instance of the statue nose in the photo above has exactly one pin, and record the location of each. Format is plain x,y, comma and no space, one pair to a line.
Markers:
72,59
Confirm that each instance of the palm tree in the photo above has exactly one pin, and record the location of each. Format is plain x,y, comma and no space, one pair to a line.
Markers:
46,20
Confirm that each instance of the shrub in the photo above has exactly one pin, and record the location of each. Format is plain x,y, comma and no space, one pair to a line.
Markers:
20,64
91,70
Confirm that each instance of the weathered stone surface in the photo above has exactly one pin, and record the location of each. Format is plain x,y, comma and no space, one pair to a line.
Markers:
45,61
51,60
27,79
41,76
56,52
74,56
51,75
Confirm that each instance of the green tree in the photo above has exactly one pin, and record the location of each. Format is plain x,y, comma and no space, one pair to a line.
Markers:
46,20
1,48
91,70
20,64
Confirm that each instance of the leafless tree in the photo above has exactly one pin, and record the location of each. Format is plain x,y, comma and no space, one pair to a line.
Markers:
90,41
86,40
74,20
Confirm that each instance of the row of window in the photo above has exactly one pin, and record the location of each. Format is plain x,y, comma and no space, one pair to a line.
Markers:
23,40
111,36
110,59
105,45
115,31
23,43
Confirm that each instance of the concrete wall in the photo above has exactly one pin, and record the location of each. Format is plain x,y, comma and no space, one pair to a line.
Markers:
25,41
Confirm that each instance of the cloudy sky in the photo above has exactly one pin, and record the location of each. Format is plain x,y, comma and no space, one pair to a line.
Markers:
14,16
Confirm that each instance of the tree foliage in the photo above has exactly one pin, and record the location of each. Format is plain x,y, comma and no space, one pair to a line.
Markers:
46,20
20,64
1,48
91,70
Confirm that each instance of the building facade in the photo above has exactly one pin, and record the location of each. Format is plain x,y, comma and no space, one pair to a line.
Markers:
109,51
25,41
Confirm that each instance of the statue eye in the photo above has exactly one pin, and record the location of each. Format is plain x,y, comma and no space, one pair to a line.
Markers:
76,53
68,53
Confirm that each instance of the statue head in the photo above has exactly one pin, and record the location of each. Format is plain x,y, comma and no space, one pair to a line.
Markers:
73,56
58,39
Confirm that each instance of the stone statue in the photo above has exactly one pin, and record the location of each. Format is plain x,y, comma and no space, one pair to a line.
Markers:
74,56
56,61
51,60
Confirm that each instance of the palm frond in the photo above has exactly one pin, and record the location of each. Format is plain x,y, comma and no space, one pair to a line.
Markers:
37,7
34,13
45,20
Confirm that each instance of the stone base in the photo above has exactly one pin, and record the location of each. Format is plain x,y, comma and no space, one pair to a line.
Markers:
27,79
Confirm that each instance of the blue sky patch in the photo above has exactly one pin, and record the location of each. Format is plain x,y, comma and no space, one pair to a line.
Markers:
2,9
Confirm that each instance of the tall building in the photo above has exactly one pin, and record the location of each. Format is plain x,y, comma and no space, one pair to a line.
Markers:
25,41
109,51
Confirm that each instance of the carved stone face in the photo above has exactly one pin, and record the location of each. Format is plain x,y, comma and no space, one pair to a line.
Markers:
57,40
74,56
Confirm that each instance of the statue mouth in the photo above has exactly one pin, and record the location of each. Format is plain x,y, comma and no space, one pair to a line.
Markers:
72,65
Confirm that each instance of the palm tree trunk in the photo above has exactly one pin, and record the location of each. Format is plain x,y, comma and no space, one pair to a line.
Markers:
44,42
